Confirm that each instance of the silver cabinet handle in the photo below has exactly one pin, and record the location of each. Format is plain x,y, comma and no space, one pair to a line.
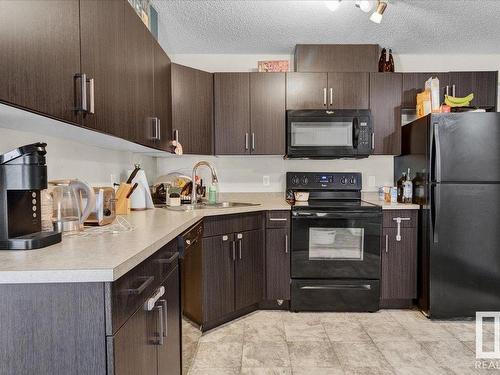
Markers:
83,92
158,128
447,90
239,236
233,245
253,141
324,96
246,141
173,257
331,95
176,135
452,90
165,317
286,243
337,287
373,141
386,243
160,316
91,95
154,121
278,219
146,281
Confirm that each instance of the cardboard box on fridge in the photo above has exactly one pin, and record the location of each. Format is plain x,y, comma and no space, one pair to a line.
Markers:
424,106
432,85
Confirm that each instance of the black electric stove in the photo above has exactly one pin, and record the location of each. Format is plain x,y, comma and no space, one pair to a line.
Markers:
335,244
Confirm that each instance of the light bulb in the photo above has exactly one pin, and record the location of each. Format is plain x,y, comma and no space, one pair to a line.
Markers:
332,5
365,5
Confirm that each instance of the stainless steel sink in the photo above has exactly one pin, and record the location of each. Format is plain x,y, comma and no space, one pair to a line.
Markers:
200,206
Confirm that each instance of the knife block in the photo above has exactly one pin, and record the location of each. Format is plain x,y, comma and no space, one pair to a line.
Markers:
122,202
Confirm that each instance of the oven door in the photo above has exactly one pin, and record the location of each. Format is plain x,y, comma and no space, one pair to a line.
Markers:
329,245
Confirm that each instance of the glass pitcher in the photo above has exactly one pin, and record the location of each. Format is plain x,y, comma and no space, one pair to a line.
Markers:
68,215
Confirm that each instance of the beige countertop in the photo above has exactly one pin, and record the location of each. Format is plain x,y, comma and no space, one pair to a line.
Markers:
106,257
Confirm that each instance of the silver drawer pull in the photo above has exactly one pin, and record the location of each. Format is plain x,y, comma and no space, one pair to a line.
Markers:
167,260
142,287
162,319
165,316
286,243
337,287
278,219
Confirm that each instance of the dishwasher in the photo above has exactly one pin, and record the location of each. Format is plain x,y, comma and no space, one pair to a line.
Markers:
190,253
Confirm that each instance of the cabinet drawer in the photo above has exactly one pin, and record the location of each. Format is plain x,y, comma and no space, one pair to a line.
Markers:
217,225
277,219
129,292
391,215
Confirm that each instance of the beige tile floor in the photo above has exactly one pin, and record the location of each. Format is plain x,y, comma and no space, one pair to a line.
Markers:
386,342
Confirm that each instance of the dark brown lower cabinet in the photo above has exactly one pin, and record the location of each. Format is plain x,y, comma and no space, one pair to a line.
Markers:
399,259
277,264
249,268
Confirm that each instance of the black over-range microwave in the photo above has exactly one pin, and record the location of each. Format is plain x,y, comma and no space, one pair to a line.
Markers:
329,134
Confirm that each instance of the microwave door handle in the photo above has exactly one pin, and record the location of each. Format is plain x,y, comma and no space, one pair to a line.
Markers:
355,132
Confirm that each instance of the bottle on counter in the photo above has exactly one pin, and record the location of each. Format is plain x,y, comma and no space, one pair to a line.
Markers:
391,62
419,189
408,189
212,194
400,187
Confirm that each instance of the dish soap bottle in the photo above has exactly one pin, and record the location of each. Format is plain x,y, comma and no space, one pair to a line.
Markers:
212,194
408,189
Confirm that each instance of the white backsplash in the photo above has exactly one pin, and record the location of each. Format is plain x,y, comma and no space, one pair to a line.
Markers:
246,173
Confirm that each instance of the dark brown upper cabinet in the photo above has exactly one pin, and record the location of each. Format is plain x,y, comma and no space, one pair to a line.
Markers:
232,113
413,83
267,113
484,85
327,91
139,73
306,90
385,106
103,51
192,109
348,90
336,57
162,122
40,55
249,113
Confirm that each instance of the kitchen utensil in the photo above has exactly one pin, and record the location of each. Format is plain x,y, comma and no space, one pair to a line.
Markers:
137,168
132,190
104,212
301,196
68,215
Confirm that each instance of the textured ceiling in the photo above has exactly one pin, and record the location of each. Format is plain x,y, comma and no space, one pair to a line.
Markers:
274,27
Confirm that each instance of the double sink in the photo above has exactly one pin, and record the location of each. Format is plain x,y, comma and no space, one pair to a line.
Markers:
198,206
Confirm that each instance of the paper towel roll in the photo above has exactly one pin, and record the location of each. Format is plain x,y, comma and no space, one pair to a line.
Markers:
141,198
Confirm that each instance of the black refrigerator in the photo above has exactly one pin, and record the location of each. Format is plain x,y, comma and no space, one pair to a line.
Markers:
457,156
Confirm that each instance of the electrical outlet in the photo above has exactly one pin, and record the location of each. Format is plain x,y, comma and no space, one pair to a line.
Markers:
371,181
266,181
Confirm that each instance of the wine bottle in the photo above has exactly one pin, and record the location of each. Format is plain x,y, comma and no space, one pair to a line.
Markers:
381,60
391,61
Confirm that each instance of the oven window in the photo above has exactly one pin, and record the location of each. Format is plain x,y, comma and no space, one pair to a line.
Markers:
321,134
336,243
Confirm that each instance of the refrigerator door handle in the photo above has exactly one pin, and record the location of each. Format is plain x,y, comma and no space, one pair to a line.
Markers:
435,208
437,155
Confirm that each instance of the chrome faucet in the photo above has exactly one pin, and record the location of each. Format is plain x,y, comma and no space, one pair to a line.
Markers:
194,195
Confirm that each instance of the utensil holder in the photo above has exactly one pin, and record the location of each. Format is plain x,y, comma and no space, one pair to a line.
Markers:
122,202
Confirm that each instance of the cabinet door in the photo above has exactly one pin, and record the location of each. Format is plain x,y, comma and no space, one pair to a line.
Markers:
192,109
399,264
103,46
134,345
348,90
484,85
414,83
40,54
138,75
306,90
162,97
218,276
249,268
169,354
385,105
232,113
267,113
277,264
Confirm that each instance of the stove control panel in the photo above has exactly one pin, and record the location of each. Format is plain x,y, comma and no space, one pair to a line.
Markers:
323,181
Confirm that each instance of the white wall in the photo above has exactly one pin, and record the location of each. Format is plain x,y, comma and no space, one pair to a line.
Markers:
245,173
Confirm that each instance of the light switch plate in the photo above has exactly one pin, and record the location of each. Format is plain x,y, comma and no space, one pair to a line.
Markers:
266,181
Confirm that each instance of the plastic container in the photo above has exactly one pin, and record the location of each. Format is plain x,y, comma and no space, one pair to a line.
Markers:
212,194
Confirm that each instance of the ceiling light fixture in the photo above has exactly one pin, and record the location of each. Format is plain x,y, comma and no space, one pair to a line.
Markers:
377,15
333,5
364,5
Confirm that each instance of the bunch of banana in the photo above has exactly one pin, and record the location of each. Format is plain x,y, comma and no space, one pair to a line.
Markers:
453,101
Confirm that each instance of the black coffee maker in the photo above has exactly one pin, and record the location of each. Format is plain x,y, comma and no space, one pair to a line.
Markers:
23,174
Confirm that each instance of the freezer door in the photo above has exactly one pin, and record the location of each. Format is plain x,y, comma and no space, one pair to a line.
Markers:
464,249
465,147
